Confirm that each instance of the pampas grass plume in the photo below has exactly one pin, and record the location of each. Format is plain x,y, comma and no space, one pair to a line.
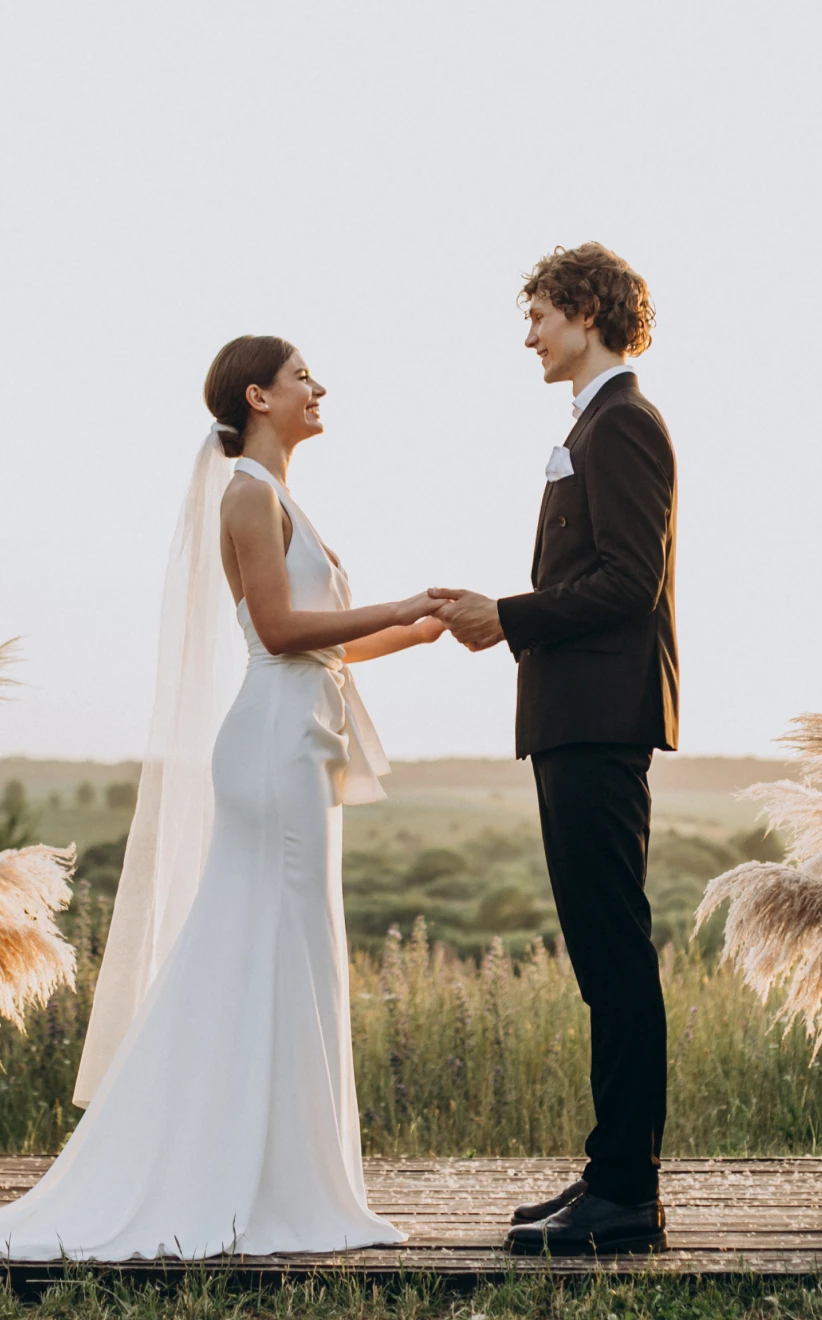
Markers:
35,957
9,654
773,932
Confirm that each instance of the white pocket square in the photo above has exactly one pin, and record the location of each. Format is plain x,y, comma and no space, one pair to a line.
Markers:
559,464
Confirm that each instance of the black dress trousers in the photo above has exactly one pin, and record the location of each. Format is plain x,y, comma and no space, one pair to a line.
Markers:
595,810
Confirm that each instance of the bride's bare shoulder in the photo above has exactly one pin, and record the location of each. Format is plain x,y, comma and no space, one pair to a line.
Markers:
253,507
246,496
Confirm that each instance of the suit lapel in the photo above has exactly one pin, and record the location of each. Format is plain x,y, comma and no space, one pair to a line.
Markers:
546,495
579,428
576,431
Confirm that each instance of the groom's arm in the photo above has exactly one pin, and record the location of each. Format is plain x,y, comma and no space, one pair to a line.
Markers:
630,481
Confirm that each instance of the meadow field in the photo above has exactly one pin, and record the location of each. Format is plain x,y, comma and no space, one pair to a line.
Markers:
456,841
451,923
488,1056
470,1037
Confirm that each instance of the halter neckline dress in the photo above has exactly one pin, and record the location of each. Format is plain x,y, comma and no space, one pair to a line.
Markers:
228,1120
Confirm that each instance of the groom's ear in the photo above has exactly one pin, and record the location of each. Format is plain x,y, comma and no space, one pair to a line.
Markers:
590,314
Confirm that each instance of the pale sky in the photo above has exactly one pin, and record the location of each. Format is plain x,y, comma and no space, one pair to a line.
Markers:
370,179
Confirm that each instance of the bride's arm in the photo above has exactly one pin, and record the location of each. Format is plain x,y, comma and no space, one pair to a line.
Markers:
252,518
391,640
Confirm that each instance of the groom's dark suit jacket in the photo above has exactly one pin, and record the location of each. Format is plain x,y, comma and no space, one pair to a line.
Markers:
596,638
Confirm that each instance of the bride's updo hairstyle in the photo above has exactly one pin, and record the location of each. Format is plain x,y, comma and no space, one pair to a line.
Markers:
249,360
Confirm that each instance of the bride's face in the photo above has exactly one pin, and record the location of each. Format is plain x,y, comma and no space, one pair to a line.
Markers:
292,402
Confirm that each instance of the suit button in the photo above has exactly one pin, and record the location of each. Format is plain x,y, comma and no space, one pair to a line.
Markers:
563,522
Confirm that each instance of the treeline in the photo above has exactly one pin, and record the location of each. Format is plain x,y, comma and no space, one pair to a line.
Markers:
116,796
20,817
495,885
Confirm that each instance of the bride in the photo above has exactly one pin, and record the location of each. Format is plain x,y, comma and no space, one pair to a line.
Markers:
217,1070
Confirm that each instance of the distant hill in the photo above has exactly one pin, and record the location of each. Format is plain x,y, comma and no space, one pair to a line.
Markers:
717,774
670,773
44,777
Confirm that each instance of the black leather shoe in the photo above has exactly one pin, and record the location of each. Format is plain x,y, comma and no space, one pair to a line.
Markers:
589,1224
529,1214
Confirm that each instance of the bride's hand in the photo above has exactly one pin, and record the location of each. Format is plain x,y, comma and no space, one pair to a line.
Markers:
428,630
417,607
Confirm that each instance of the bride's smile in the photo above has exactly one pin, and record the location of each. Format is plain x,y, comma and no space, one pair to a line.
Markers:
290,406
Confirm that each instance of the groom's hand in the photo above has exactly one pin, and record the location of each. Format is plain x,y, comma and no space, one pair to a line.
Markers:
471,618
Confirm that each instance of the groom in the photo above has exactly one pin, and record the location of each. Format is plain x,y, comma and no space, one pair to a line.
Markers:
595,642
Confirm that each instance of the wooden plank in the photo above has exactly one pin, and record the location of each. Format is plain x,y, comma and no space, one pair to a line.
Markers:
724,1217
460,1272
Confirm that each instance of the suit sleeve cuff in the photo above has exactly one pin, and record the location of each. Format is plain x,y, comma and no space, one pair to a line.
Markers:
513,616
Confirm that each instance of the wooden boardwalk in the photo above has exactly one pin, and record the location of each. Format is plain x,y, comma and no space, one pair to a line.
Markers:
760,1216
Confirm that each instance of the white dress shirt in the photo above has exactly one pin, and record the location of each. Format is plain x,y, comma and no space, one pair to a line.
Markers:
581,401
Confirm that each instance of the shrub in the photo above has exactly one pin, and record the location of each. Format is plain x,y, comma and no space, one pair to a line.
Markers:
759,846
85,794
509,908
14,796
434,863
120,796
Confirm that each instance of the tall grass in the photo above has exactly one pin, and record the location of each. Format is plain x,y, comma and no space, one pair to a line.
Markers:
455,1057
458,1059
38,1069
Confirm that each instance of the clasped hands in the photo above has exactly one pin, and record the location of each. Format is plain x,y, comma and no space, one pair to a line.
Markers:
471,618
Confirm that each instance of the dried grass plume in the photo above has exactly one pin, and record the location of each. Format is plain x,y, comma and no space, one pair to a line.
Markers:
35,957
9,655
773,933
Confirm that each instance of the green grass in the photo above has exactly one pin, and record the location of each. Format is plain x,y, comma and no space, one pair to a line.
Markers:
455,1057
474,927
203,1297
84,826
504,1073
443,817
506,1070
434,803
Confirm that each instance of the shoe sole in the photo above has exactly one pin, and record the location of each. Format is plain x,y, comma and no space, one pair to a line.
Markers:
644,1244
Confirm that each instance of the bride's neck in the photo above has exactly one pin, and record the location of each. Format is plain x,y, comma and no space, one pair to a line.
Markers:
270,452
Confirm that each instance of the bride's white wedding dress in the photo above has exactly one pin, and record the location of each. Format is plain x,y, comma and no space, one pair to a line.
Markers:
228,1118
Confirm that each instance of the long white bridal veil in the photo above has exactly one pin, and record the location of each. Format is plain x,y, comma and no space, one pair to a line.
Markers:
197,678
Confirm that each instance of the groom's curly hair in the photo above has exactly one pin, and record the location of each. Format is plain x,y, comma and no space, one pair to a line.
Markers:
595,281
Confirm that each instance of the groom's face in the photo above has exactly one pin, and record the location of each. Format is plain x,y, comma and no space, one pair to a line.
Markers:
558,342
